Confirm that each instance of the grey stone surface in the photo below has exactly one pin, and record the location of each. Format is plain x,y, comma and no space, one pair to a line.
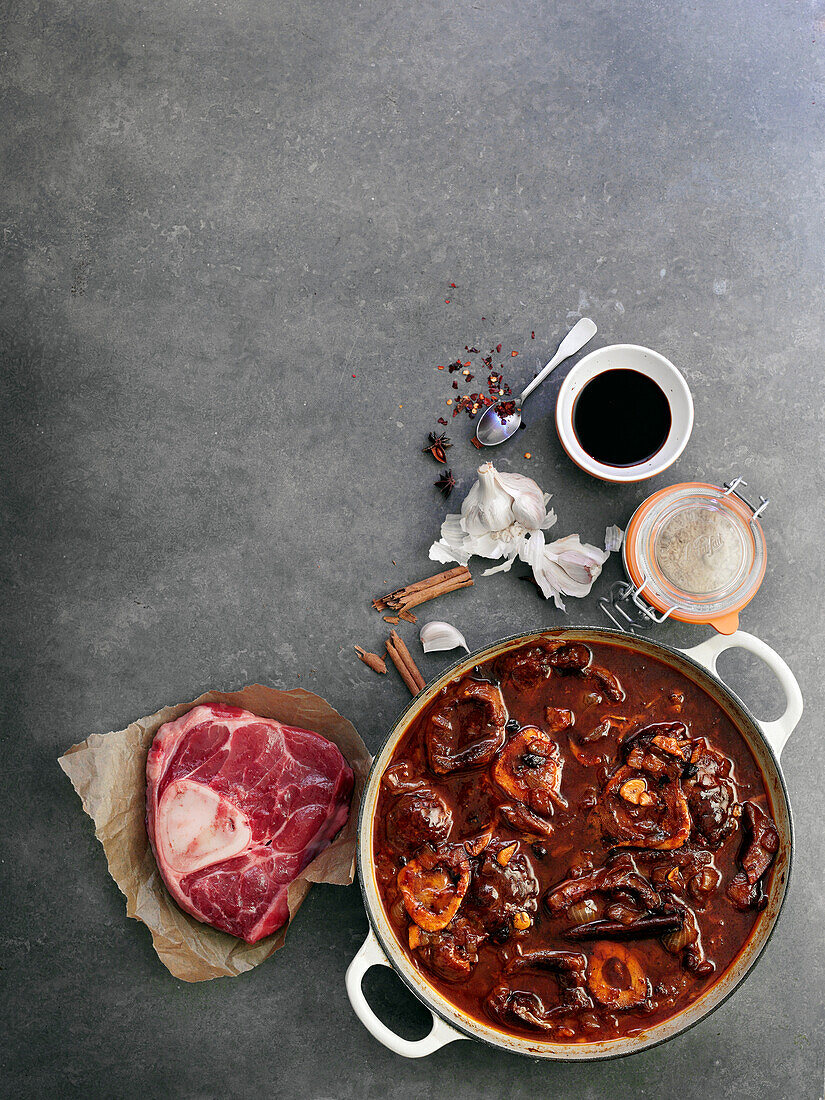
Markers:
229,230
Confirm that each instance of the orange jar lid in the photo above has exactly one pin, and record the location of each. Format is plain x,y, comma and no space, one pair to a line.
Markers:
696,552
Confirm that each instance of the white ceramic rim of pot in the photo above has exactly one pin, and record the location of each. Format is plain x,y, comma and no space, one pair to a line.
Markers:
655,366
765,740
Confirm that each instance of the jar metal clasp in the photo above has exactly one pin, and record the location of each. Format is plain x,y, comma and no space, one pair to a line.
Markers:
731,488
616,603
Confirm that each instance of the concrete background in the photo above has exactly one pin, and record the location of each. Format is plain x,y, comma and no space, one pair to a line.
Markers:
213,216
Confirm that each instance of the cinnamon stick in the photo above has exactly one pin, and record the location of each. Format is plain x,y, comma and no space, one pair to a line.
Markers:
371,660
399,664
641,928
428,582
464,581
403,599
402,659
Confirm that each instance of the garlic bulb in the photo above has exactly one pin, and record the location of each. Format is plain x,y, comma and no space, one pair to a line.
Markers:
504,516
497,513
437,637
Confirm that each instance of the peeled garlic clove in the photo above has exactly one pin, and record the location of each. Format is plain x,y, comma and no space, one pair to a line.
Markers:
437,637
580,912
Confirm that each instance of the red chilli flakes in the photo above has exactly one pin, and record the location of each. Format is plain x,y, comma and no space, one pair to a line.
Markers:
475,402
471,403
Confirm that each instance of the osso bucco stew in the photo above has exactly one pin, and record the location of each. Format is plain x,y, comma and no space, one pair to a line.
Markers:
571,843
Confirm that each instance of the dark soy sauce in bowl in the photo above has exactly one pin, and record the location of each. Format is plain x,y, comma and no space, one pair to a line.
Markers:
621,418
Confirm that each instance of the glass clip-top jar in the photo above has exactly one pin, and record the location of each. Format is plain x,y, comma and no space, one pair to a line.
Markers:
693,552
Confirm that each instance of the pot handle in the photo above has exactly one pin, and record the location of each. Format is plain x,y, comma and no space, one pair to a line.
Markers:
707,654
371,955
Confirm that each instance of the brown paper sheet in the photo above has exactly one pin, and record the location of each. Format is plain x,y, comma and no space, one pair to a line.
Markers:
108,771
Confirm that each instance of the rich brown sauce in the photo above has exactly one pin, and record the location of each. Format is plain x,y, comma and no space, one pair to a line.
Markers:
438,831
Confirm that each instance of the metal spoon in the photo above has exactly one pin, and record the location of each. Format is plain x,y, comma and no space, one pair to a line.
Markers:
493,429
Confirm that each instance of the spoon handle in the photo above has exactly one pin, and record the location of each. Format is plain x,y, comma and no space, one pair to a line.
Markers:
574,341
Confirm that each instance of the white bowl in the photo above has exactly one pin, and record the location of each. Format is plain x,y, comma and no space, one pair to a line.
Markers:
649,363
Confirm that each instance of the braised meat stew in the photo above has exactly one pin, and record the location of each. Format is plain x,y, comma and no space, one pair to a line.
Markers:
573,842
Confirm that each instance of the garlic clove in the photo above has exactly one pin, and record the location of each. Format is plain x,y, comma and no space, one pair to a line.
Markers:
528,499
437,637
567,567
529,511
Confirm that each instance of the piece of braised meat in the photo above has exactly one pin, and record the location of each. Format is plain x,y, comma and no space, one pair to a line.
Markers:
688,869
607,682
570,657
710,793
762,844
643,804
621,878
593,738
662,748
418,817
398,778
433,885
527,1007
465,726
688,859
558,718
504,889
529,768
634,812
528,823
525,667
453,952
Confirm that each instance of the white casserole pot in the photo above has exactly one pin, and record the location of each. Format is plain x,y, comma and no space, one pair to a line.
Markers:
765,740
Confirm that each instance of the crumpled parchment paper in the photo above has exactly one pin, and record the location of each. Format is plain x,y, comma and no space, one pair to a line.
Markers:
108,771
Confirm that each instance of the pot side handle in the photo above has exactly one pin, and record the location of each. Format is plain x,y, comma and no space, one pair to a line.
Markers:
371,955
707,654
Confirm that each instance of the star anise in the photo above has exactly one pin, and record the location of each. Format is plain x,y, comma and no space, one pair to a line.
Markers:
437,446
446,483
